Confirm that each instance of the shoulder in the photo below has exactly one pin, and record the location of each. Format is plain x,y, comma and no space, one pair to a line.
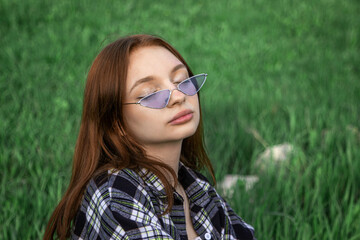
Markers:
113,199
124,181
188,174
112,185
199,175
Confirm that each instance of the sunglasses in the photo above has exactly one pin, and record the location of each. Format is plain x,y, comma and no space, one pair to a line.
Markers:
160,99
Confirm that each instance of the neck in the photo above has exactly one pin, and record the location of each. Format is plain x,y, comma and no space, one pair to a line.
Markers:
168,153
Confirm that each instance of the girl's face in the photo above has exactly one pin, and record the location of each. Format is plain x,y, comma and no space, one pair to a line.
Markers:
151,69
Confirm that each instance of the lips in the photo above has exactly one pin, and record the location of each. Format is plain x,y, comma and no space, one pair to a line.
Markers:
181,117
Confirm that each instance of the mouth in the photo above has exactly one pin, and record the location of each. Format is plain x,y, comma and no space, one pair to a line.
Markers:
182,117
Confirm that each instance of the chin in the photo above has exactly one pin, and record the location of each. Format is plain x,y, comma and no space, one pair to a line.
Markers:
185,133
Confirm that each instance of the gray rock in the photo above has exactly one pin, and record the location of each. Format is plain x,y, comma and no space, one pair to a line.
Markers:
275,155
228,184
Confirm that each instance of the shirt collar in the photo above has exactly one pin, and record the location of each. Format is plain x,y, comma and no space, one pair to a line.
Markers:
196,189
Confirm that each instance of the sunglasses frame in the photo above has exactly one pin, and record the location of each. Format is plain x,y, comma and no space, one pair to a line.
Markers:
170,91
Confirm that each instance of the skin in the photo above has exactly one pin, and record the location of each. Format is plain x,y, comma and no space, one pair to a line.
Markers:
153,128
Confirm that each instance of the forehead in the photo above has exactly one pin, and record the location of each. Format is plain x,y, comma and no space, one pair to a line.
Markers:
150,61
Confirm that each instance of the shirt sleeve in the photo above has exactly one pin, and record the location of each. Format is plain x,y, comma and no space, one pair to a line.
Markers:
110,213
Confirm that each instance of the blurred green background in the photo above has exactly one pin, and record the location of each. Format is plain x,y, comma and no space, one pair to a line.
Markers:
279,71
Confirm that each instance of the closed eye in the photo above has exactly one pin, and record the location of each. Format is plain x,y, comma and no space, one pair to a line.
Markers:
145,95
180,81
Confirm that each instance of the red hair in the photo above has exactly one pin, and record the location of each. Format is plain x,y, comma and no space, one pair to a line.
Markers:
102,144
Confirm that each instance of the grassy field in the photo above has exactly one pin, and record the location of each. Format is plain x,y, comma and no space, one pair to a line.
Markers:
287,70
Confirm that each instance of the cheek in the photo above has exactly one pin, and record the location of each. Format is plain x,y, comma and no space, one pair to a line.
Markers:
139,123
195,103
133,120
197,120
196,107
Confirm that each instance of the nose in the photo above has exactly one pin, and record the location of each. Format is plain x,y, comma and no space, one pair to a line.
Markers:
176,97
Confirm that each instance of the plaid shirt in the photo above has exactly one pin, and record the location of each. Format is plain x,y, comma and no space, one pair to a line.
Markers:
127,206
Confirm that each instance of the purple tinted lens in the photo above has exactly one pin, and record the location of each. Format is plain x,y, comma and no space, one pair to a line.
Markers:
192,85
156,100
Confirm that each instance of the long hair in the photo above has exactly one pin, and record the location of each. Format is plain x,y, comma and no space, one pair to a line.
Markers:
103,143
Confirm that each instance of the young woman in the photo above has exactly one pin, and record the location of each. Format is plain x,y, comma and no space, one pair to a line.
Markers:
138,151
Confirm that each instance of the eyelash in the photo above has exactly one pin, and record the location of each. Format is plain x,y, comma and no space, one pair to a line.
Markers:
146,94
180,80
175,83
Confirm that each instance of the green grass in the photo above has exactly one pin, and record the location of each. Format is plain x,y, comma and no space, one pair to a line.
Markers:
287,69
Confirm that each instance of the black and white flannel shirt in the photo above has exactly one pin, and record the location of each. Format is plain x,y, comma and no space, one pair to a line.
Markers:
127,206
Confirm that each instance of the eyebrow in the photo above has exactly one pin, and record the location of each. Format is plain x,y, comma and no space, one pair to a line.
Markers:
151,78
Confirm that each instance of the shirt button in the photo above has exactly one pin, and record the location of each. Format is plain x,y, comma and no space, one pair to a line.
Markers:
207,236
198,238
